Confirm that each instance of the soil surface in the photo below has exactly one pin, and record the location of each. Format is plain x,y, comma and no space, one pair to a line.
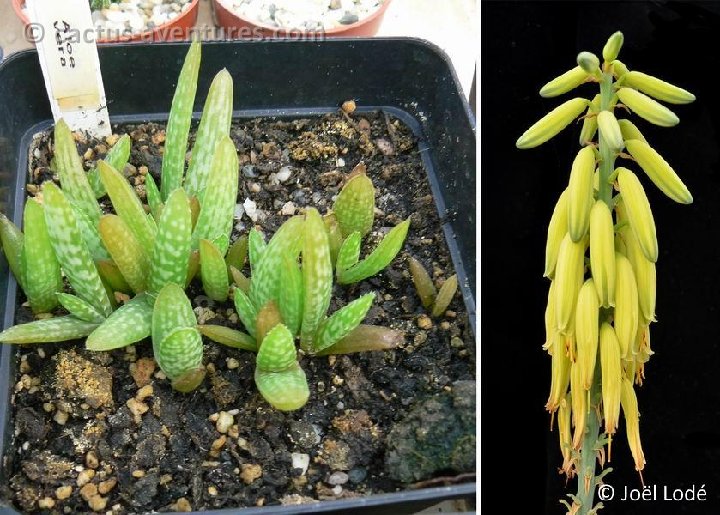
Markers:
104,431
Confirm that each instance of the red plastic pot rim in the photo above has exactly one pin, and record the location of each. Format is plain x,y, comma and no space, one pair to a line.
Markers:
230,20
179,28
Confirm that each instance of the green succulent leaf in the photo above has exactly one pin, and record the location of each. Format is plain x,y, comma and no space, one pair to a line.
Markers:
48,330
111,276
317,277
237,254
180,353
90,233
216,215
228,337
239,279
154,197
127,325
40,269
127,253
172,311
268,318
246,310
256,247
335,238
291,295
127,205
71,251
379,258
445,296
193,266
72,176
178,126
265,279
342,322
12,243
277,351
171,253
366,338
286,391
423,283
117,157
213,271
349,253
177,344
355,205
214,127
80,309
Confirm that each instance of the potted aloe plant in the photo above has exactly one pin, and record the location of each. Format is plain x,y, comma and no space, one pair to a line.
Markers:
231,341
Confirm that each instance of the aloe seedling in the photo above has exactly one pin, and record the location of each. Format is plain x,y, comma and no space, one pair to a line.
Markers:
351,220
432,300
288,298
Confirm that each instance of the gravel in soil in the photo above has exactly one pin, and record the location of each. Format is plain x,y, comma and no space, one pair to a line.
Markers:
104,431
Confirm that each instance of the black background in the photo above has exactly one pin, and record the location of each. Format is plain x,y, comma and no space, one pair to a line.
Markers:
525,44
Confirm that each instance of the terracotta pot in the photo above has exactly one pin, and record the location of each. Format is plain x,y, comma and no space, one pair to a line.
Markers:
176,29
238,27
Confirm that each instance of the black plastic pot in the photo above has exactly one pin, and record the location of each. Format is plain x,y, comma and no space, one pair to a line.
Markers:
408,78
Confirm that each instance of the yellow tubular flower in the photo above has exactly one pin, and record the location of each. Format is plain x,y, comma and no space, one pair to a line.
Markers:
569,80
602,253
560,375
565,442
626,305
587,332
580,193
638,212
556,232
552,123
550,319
590,125
629,130
657,88
647,108
610,130
619,69
611,365
589,62
645,275
568,278
659,171
613,46
632,423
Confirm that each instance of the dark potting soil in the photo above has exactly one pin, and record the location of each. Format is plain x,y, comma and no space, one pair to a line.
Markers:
104,430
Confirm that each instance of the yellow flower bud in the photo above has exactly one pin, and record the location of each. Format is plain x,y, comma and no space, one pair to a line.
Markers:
610,130
556,232
552,123
560,374
632,423
629,130
568,278
589,62
647,108
645,275
602,253
626,305
619,69
657,88
550,329
580,193
638,213
569,80
589,126
659,171
586,332
613,46
565,440
611,377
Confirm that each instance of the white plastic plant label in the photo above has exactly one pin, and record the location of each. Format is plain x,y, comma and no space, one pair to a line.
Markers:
65,40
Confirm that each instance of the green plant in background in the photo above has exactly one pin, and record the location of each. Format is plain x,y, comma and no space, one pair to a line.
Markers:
96,5
598,327
433,300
